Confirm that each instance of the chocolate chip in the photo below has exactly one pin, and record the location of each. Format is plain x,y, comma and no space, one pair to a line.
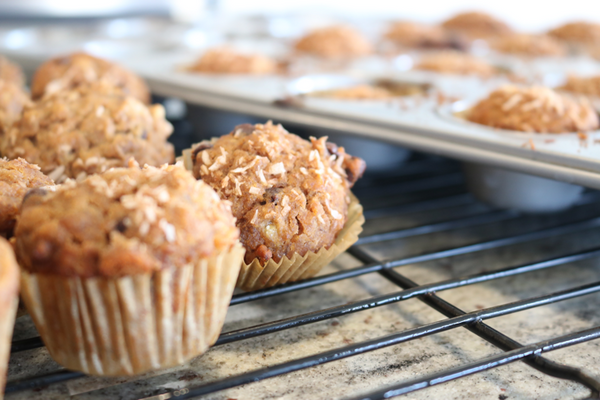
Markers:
120,226
204,145
246,129
332,149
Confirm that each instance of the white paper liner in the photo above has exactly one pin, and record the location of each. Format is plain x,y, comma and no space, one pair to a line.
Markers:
130,325
255,276
8,314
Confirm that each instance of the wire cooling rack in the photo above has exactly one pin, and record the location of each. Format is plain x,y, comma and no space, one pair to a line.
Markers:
425,185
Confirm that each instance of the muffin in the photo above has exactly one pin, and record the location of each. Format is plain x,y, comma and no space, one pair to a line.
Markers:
128,271
452,62
534,109
17,177
291,199
588,86
584,33
73,70
9,298
334,42
227,61
412,35
87,130
476,25
11,72
529,45
13,99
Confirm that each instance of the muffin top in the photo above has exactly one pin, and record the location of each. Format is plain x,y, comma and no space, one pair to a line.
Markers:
534,109
452,62
68,72
12,100
289,195
334,42
577,32
476,25
589,86
529,45
122,222
227,61
11,72
87,130
9,273
415,35
17,177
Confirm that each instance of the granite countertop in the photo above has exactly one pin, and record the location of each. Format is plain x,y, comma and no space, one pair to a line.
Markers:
364,373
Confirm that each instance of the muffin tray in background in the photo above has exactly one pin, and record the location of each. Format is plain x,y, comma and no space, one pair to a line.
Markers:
420,123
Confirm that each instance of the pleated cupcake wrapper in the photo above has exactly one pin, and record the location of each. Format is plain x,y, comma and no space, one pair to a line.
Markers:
255,276
7,321
130,325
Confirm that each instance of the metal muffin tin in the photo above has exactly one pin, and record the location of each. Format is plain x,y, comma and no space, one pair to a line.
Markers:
415,123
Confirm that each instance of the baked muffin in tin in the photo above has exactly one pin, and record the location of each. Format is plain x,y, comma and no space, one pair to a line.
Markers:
227,61
17,177
334,43
534,109
128,271
455,63
476,25
413,35
529,45
11,72
87,130
70,71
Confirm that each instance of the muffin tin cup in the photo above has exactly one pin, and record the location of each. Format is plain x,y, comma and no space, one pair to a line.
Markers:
129,325
255,276
522,192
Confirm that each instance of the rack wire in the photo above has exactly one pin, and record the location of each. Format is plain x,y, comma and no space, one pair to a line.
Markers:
421,186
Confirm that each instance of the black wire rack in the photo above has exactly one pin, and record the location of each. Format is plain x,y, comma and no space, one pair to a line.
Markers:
423,185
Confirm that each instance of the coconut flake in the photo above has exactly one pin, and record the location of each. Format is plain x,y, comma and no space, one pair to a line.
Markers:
254,190
277,169
261,176
168,229
335,214
57,173
205,158
254,218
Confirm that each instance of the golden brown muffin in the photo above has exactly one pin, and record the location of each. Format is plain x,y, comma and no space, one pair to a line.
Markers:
9,298
577,32
334,42
534,109
414,35
476,25
87,130
451,62
289,195
68,72
227,61
589,86
148,257
17,177
123,222
12,100
11,72
529,45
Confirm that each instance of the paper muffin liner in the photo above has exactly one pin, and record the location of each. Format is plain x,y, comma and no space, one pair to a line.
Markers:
255,276
8,311
130,325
